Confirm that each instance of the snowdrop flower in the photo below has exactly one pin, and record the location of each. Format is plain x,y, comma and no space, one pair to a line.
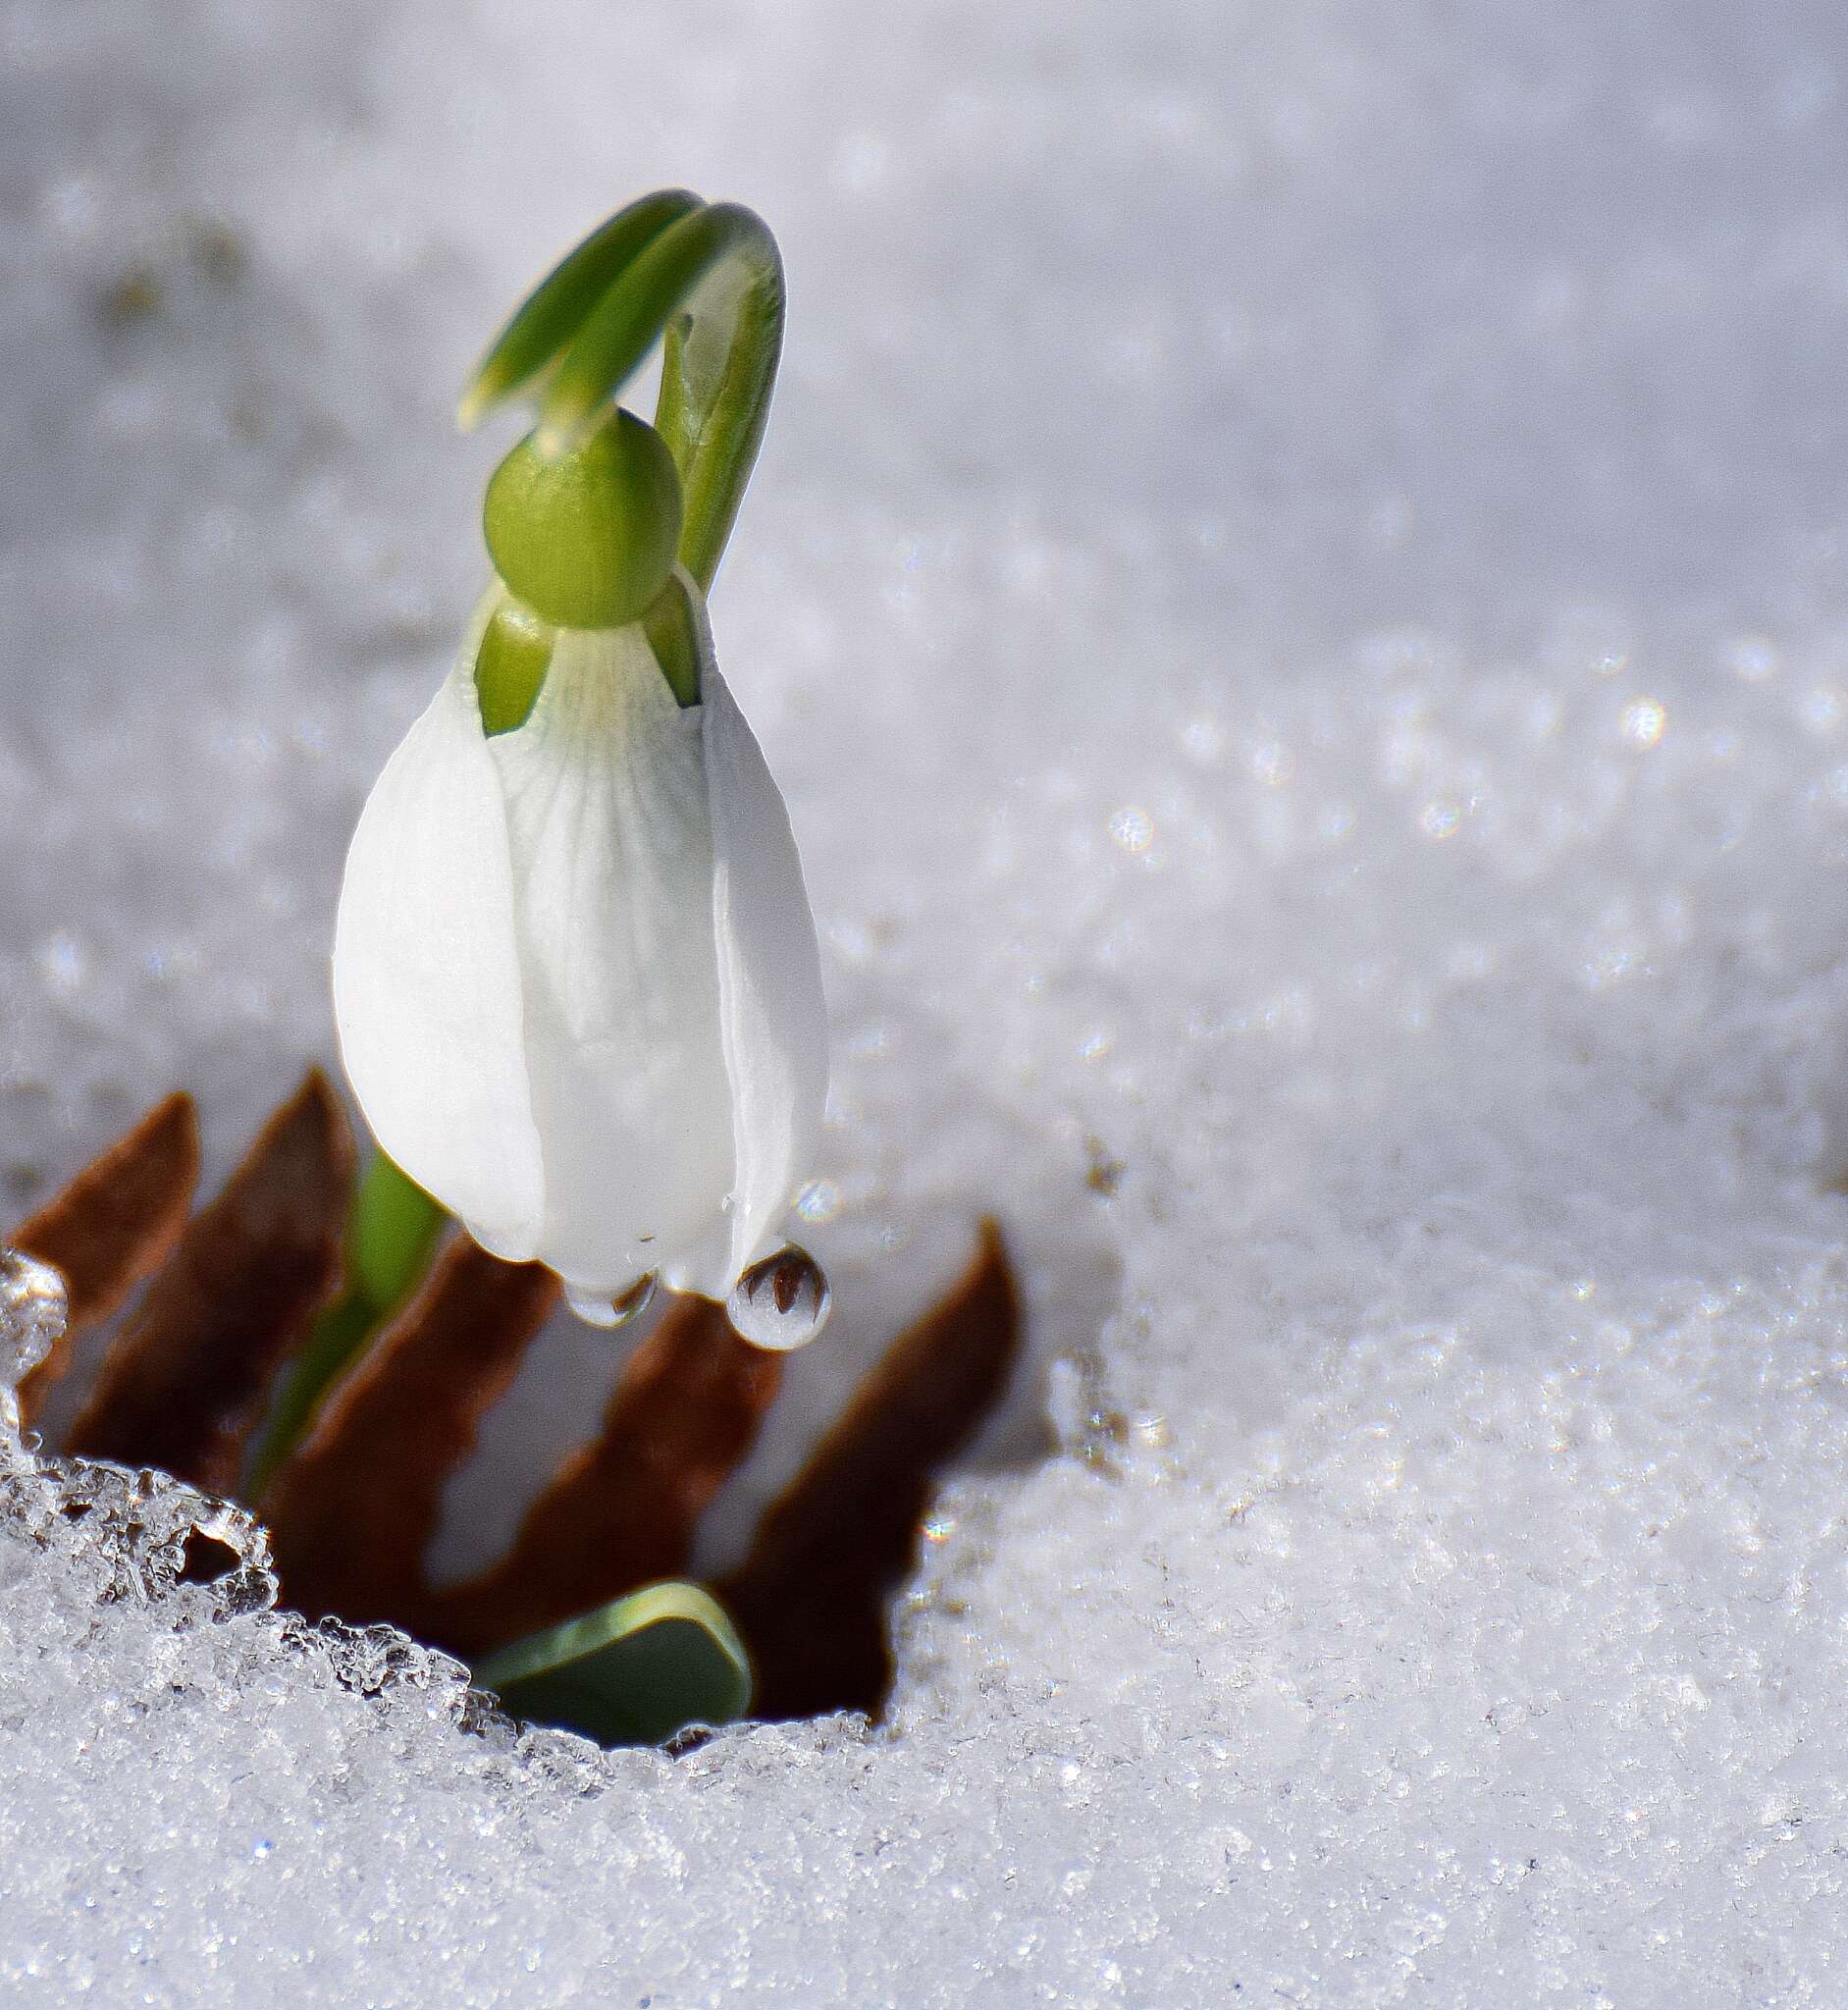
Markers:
576,975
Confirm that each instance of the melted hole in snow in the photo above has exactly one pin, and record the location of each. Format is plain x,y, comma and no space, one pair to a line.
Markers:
1068,1293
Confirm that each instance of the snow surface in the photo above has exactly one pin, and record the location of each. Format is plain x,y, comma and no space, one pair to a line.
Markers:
1296,594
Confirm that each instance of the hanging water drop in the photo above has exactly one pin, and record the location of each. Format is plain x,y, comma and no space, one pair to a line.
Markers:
782,1302
599,1309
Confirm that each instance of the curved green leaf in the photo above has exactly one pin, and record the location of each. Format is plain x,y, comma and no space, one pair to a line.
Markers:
631,1672
719,265
552,314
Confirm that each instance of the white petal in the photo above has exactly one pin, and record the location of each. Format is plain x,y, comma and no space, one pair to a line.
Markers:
606,815
773,1015
427,990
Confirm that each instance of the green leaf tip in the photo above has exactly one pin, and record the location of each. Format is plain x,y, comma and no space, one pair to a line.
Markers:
633,315
632,1672
547,320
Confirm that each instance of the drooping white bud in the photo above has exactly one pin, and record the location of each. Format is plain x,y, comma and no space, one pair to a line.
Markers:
576,975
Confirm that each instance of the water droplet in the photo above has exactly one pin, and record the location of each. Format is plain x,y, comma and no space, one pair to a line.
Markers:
782,1302
600,1308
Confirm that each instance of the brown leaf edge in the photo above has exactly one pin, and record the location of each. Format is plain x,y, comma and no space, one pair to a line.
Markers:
622,1511
188,1374
811,1597
112,1226
352,1510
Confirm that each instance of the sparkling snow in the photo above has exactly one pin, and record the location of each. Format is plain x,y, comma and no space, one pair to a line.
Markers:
1296,593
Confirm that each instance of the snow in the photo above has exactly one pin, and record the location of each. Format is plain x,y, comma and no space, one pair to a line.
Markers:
1295,595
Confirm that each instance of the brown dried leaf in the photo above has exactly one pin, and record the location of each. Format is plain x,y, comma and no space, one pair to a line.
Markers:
188,1376
810,1598
622,1511
114,1224
353,1510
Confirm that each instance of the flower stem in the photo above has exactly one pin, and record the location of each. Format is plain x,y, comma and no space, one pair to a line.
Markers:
391,1235
718,369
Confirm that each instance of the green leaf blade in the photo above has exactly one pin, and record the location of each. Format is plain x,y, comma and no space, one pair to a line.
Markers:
632,1672
547,320
615,338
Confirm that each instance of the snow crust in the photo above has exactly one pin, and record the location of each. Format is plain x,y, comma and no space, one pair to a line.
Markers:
1295,595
